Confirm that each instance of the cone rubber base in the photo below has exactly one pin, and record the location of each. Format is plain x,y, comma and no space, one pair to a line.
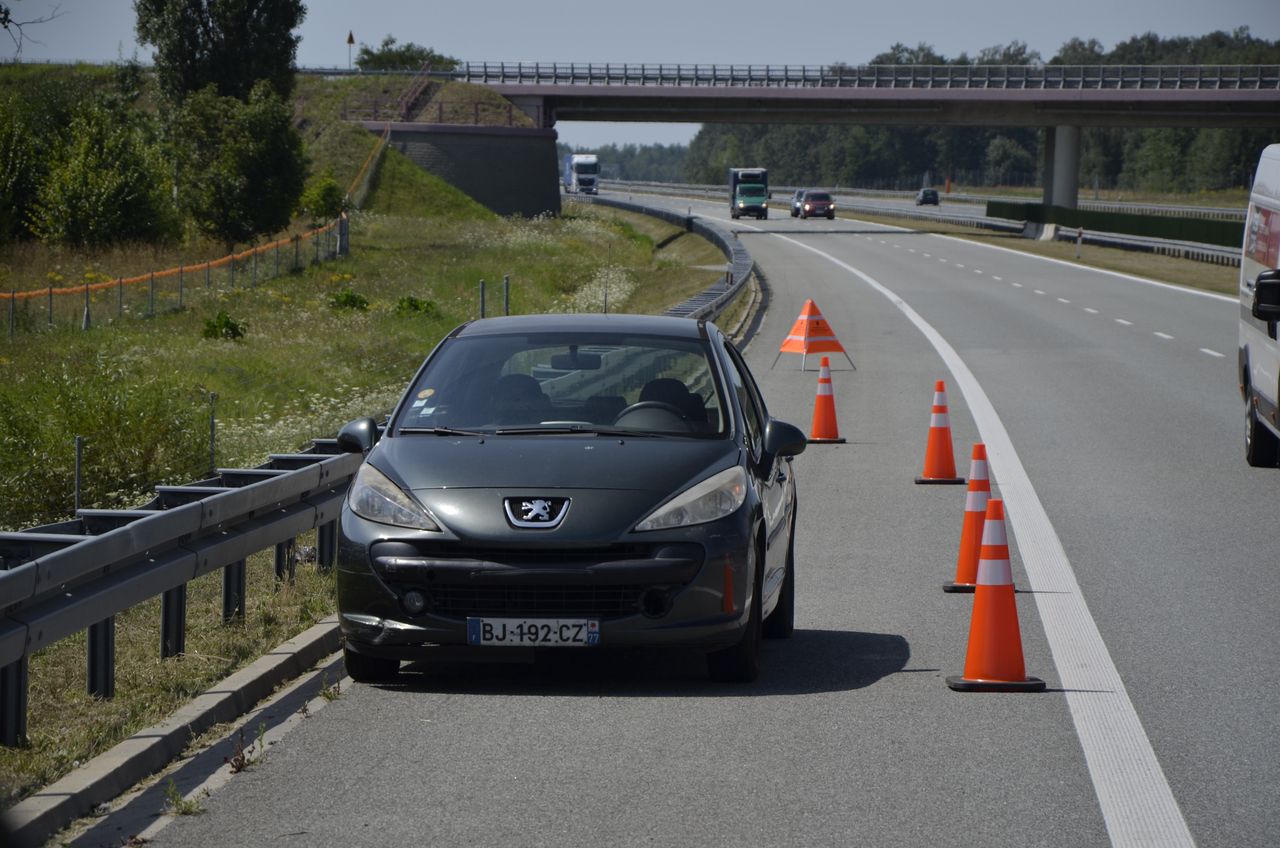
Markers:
839,441
959,587
962,684
940,481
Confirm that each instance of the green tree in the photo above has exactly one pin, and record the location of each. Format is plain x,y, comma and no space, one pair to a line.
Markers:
107,184
391,56
241,166
323,199
230,44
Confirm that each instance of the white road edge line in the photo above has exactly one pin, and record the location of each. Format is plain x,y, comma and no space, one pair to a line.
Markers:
1212,352
1135,798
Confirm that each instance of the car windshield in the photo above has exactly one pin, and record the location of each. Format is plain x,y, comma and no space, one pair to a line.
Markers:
567,382
817,195
751,190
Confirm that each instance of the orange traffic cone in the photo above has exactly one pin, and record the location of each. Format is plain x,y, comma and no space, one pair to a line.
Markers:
811,334
994,659
824,408
939,459
975,513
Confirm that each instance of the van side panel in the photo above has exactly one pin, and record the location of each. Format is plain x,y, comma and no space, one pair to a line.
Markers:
1259,347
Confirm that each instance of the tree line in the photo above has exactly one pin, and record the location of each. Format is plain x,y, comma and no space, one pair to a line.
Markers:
1160,159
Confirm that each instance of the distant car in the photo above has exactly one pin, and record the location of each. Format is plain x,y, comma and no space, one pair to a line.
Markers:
817,203
570,483
927,197
797,200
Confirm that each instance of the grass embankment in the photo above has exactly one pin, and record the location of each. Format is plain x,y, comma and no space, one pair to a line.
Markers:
321,346
1236,198
1183,272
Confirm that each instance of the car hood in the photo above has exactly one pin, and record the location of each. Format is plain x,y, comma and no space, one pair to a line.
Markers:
612,482
571,462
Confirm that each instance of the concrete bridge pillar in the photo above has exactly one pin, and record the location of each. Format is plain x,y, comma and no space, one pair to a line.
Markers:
1062,166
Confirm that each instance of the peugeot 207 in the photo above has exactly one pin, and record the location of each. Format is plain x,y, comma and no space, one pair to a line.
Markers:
570,483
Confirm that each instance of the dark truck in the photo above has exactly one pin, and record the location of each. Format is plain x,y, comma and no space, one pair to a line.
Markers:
748,192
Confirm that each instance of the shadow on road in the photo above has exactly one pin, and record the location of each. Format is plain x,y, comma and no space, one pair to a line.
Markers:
811,661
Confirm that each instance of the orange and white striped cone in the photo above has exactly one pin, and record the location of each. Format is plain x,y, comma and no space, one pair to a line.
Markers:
975,513
939,458
825,430
994,662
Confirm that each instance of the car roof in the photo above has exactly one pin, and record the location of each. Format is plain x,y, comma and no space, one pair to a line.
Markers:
654,325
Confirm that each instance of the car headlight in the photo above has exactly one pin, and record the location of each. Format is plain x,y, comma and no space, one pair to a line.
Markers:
741,204
713,498
375,497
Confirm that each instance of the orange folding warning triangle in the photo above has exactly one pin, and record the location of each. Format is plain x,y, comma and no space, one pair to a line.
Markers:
811,334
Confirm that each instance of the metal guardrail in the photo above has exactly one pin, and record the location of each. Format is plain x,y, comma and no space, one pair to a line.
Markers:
713,300
60,579
1041,77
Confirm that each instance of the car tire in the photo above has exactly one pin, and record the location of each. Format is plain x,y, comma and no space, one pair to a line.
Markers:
781,623
741,662
364,669
764,217
831,216
1261,448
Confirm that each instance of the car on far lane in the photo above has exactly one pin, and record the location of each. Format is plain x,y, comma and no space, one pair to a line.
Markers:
818,203
570,483
927,197
797,200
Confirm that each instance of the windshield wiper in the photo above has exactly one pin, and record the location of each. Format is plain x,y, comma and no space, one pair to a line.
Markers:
439,431
576,429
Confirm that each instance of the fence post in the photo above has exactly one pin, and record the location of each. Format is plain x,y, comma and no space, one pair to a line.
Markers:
79,459
231,270
51,305
84,325
277,257
173,622
506,294
213,432
482,298
13,299
255,268
316,241
208,267
119,297
180,286
151,296
233,585
13,703
297,243
102,658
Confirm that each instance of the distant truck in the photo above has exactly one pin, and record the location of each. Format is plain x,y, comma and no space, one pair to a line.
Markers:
581,173
748,192
1260,315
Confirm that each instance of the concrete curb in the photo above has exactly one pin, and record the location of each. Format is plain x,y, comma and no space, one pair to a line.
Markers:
33,820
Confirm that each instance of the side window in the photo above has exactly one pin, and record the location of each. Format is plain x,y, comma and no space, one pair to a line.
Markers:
748,399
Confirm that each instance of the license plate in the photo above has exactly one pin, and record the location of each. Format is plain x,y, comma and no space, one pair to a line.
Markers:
533,631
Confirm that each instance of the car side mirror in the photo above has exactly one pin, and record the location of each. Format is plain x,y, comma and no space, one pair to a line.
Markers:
1266,296
783,439
358,436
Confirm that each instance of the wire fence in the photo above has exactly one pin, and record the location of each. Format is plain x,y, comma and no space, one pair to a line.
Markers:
103,299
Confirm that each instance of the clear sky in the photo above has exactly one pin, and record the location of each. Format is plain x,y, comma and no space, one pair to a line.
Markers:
817,32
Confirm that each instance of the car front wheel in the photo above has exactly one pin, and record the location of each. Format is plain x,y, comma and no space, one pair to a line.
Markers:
1260,444
365,669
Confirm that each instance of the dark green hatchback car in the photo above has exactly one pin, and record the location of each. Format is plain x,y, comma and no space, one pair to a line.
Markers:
570,483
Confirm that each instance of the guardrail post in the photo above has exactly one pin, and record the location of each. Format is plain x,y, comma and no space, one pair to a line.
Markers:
506,294
284,560
13,703
79,459
213,432
102,658
233,588
173,622
326,545
482,298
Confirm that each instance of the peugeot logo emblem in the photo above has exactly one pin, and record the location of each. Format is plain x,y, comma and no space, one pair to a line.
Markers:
536,513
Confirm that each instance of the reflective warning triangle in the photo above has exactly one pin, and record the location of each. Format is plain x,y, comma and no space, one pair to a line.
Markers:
811,333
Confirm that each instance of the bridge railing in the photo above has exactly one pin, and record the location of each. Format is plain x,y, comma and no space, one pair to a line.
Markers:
1042,77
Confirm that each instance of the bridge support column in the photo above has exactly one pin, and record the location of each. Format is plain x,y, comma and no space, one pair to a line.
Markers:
1062,166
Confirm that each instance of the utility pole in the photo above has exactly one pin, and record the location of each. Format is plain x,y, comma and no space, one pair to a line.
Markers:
351,39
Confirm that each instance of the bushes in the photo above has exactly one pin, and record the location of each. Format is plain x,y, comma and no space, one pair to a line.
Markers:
223,326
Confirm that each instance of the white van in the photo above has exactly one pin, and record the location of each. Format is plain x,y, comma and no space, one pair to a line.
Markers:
1260,313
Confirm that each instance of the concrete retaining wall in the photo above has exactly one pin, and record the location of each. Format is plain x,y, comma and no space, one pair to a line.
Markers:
511,170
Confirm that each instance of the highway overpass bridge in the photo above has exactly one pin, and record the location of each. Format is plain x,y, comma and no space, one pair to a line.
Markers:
1060,98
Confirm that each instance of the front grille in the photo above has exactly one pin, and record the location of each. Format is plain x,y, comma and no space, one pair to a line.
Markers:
602,602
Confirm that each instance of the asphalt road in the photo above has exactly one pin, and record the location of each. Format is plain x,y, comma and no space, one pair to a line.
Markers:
1118,427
